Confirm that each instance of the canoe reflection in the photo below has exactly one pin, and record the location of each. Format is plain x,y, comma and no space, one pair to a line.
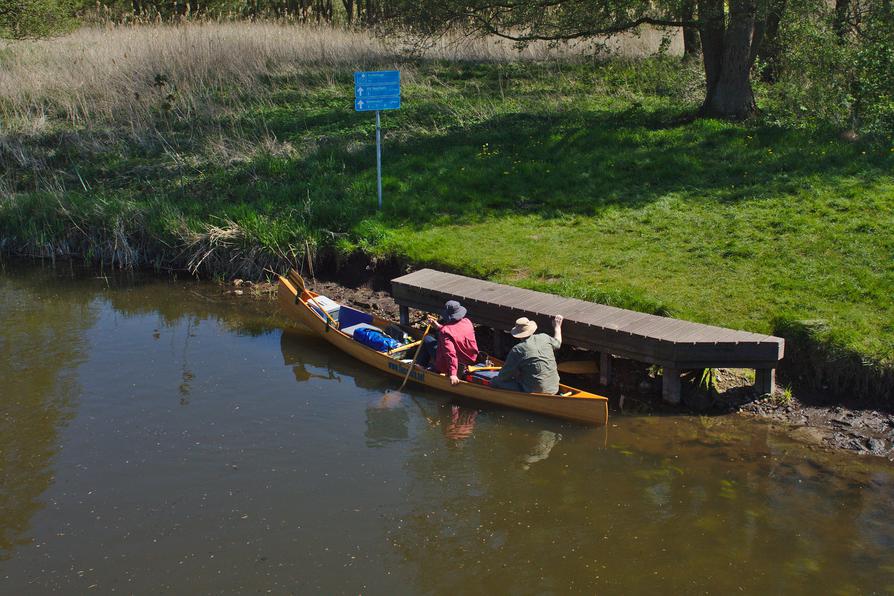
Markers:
295,353
387,415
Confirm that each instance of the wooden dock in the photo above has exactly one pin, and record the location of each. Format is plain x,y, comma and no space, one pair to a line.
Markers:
673,344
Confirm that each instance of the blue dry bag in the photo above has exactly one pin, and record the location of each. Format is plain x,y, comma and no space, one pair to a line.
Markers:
375,339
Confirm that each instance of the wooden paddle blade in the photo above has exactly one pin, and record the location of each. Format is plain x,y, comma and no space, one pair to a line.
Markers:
297,280
579,367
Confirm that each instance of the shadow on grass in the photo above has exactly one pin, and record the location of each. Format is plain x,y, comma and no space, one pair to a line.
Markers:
822,373
546,164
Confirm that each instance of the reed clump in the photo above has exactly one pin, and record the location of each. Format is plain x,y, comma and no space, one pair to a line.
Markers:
127,74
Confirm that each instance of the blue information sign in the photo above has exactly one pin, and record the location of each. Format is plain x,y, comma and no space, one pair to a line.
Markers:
377,103
373,92
377,90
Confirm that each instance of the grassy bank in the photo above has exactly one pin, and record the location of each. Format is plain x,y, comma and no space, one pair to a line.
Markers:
230,149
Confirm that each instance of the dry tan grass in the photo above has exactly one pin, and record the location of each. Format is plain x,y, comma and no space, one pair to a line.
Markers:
119,73
124,74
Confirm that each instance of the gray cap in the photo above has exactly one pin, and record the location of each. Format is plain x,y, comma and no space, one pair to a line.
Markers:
453,311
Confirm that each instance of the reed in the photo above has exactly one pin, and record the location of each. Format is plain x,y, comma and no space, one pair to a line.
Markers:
125,72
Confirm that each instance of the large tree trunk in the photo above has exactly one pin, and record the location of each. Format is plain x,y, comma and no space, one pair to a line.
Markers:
726,47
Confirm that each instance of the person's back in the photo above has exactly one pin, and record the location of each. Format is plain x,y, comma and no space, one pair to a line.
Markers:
456,346
537,369
531,364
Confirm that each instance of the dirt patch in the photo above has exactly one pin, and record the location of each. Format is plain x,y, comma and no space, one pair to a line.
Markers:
869,432
362,297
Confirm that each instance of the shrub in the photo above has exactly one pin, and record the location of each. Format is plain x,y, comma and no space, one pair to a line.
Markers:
836,75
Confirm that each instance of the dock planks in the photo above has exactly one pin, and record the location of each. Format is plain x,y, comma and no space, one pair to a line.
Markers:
665,341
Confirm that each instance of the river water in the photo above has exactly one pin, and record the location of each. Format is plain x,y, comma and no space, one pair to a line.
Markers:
155,436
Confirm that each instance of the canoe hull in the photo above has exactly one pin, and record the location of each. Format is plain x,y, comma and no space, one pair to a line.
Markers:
582,407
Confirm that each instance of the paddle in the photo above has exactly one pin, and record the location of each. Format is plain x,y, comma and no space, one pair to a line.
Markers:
571,367
386,397
403,348
415,356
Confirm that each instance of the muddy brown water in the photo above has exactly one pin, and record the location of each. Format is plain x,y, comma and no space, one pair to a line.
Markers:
157,437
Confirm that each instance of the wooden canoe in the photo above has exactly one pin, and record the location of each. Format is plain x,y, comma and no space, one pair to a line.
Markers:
571,404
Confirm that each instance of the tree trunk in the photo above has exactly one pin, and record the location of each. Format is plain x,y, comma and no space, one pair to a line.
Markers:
349,10
711,35
726,47
769,48
690,34
842,11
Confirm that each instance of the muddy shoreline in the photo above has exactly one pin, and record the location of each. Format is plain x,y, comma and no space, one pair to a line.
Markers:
636,386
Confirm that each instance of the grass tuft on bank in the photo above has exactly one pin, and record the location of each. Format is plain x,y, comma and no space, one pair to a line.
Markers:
561,173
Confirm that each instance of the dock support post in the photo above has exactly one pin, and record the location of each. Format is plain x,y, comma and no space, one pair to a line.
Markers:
404,315
765,380
670,385
605,368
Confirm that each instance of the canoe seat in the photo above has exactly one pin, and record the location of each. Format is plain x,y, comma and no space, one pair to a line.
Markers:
350,317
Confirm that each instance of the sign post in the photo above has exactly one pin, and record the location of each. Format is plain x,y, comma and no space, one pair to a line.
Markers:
373,92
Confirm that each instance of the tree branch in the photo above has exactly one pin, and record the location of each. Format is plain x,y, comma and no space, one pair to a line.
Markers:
488,27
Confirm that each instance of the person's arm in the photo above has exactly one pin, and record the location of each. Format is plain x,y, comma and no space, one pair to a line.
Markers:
557,330
452,360
510,367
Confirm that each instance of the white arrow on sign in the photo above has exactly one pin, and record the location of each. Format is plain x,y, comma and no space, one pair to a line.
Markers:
360,104
359,90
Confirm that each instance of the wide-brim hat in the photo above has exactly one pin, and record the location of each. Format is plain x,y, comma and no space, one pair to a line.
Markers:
453,311
524,327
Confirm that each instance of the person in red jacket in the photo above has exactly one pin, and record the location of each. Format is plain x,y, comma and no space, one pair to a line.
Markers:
455,345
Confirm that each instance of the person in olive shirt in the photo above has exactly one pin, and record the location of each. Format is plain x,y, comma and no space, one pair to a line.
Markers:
531,365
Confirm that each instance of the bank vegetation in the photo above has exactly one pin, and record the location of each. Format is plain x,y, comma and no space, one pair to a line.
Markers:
231,149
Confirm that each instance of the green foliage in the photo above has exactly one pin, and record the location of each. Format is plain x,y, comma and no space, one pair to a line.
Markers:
531,19
318,11
783,396
21,19
846,81
874,67
708,380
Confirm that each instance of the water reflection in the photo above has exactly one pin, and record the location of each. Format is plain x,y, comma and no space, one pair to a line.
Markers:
386,425
462,423
294,469
42,343
292,344
635,517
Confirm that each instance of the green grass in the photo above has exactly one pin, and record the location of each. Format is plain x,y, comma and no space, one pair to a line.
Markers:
581,179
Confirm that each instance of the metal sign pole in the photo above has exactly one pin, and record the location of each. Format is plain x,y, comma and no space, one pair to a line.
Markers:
379,158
